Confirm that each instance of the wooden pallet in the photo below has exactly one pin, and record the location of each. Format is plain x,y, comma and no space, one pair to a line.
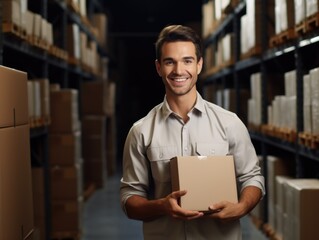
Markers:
287,134
65,236
301,28
73,61
312,22
254,127
89,191
211,71
58,52
35,122
268,130
38,42
254,51
14,29
228,63
281,38
308,140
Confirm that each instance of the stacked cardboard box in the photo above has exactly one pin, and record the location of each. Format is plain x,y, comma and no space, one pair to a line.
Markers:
16,205
280,205
97,105
39,199
275,167
302,196
65,158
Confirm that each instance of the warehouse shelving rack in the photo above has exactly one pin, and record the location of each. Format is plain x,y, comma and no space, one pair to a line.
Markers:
16,52
293,54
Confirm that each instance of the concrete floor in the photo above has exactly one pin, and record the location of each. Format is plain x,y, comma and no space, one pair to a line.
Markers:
104,219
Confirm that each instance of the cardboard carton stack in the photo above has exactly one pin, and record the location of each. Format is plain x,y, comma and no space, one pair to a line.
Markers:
97,105
302,209
275,167
16,204
39,200
66,163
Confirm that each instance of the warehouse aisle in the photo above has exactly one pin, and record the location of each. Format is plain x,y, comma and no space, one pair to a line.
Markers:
104,220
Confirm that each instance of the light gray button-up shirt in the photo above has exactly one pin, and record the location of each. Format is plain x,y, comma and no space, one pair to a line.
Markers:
162,135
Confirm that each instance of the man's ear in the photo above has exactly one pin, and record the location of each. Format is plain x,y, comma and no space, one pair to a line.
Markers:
199,65
158,67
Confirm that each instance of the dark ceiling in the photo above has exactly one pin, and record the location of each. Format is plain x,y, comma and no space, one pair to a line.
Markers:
147,16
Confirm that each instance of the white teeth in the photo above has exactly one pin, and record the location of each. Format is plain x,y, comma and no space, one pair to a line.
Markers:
180,79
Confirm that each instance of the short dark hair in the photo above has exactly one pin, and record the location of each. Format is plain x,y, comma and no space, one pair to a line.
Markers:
174,33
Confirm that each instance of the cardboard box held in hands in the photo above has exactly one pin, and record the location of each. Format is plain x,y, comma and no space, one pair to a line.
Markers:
208,180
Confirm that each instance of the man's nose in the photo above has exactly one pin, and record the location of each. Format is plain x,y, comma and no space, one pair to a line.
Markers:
178,68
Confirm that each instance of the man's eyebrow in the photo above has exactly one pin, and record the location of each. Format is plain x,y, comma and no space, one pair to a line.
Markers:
168,59
184,58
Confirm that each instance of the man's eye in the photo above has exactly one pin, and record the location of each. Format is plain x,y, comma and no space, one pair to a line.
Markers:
168,62
188,61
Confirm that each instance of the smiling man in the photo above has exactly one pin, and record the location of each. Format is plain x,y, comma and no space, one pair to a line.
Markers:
185,125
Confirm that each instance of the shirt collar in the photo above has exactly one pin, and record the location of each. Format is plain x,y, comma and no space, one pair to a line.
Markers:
199,106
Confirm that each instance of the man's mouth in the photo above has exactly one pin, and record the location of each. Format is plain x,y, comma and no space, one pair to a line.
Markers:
180,79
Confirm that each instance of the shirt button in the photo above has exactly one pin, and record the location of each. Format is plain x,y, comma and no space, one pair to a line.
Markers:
185,149
161,155
212,151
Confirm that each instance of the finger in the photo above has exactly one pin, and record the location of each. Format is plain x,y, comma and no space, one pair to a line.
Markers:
188,215
178,194
217,206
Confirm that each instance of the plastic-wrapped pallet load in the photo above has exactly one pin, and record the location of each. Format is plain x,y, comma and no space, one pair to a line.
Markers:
312,7
300,10
307,121
314,83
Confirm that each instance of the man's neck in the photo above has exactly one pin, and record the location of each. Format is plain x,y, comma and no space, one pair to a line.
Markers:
182,105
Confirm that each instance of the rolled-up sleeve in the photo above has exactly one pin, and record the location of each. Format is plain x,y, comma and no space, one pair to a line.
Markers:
246,161
135,180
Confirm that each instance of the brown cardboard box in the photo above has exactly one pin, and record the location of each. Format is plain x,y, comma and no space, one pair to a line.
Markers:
64,111
39,202
302,197
95,172
275,166
73,41
11,12
207,180
96,97
65,149
13,97
16,206
67,215
67,182
99,20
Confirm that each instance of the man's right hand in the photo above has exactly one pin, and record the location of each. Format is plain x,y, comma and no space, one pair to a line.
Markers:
175,211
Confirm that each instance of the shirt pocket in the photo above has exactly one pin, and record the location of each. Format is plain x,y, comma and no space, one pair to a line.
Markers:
212,149
159,158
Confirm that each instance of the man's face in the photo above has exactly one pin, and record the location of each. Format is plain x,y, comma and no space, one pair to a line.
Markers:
179,67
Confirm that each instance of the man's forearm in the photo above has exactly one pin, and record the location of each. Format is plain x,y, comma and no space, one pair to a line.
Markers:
249,198
140,208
